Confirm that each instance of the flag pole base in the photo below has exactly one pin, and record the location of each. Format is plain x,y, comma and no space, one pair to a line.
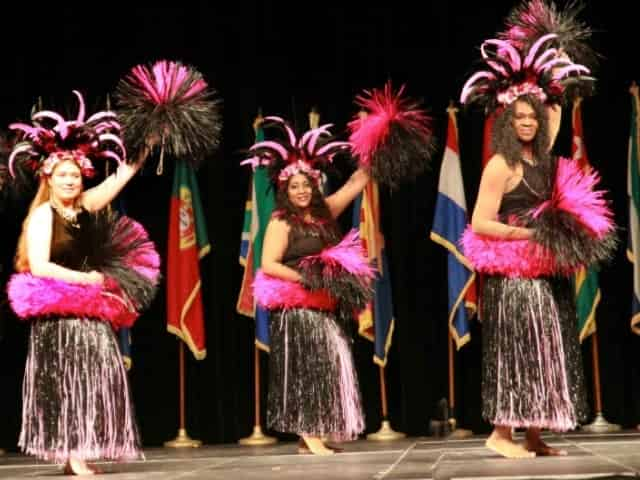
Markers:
600,425
458,433
385,434
183,441
257,438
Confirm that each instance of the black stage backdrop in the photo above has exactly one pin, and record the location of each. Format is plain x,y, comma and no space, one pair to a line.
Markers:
286,61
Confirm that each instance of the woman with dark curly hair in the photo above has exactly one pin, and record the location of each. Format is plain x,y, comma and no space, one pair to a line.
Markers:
313,389
527,237
312,295
532,371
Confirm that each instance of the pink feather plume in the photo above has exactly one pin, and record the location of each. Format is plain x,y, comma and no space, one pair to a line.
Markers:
384,107
574,192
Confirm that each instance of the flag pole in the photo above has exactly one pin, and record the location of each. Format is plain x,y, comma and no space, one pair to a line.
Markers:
182,440
456,433
257,438
386,433
599,424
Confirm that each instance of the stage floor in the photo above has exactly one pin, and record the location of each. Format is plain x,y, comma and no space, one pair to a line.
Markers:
612,456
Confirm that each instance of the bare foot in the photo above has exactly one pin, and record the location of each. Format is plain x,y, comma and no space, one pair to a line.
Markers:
95,469
507,447
302,447
533,443
316,446
76,466
541,449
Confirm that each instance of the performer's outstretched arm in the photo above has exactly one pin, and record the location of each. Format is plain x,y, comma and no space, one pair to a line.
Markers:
339,200
101,195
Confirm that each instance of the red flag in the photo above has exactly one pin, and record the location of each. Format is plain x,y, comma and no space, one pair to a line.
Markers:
188,243
578,150
489,120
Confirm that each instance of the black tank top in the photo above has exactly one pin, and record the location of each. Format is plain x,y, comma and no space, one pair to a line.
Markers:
530,192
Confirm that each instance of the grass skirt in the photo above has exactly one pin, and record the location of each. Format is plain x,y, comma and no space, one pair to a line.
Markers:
76,399
313,388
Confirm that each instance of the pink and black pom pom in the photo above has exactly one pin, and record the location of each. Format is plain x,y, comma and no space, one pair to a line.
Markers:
343,271
576,223
120,248
394,139
533,19
173,102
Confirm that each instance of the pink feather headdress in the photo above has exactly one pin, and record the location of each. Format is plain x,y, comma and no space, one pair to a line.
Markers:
292,155
51,138
541,72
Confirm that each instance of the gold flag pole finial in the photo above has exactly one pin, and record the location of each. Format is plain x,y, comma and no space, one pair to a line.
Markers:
314,118
258,120
452,108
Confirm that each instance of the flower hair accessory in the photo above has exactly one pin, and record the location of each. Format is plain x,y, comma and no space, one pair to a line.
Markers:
299,167
542,72
51,138
293,155
86,167
526,88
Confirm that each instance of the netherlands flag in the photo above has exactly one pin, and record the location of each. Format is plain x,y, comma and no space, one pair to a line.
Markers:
449,222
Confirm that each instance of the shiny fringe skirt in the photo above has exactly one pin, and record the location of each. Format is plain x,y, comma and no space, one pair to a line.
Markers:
313,388
532,364
76,399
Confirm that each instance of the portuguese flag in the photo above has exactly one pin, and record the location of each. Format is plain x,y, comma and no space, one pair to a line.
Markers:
188,243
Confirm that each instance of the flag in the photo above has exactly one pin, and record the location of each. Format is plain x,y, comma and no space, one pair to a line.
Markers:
449,222
633,190
376,322
258,208
489,121
188,243
586,279
124,341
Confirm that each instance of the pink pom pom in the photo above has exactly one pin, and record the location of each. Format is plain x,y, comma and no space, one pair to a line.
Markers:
574,192
384,108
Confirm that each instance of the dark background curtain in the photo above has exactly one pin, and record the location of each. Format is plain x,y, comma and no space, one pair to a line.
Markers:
286,61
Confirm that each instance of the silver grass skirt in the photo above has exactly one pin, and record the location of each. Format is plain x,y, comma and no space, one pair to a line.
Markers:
532,365
76,399
313,388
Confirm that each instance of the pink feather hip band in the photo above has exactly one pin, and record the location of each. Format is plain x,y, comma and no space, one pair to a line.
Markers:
511,258
32,297
275,293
